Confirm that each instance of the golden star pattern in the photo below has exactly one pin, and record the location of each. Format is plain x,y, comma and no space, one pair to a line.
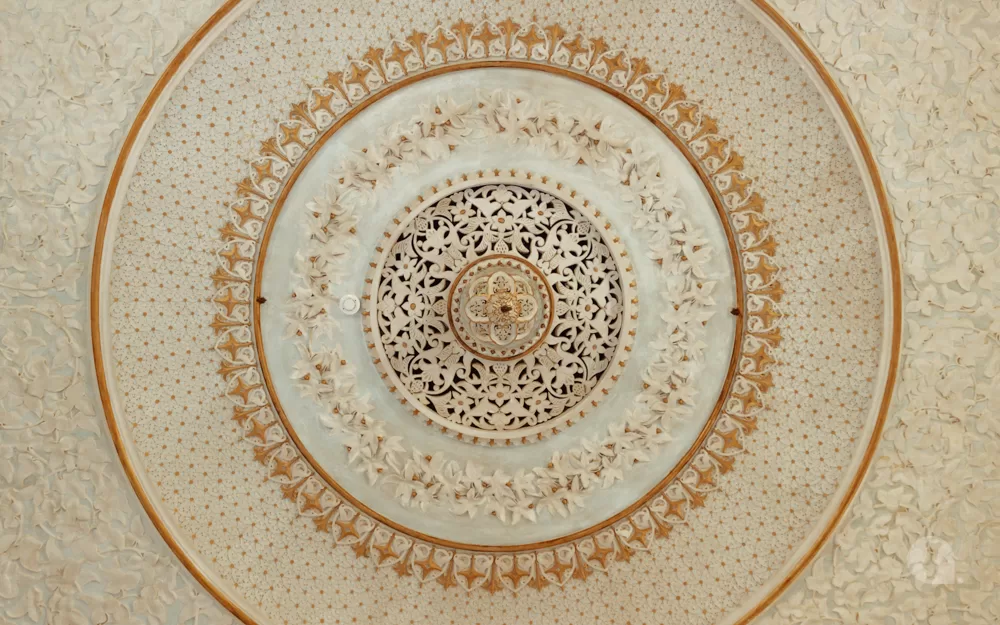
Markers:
552,45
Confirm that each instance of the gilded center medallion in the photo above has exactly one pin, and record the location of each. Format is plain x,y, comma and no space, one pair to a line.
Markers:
500,307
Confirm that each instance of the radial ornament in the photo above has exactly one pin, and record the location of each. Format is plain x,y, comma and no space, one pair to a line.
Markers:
452,320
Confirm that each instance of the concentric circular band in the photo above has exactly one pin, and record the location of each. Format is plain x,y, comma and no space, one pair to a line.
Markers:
96,301
704,171
597,386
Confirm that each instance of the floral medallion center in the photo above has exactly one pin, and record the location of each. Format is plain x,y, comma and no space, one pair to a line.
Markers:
497,308
500,307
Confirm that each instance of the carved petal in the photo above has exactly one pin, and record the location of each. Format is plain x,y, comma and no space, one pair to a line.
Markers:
500,282
503,333
475,308
528,308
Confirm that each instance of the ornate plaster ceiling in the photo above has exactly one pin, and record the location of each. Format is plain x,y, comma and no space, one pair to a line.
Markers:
495,312
601,310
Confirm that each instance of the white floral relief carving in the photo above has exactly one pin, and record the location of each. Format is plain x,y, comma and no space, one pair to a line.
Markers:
419,480
73,547
920,542
446,334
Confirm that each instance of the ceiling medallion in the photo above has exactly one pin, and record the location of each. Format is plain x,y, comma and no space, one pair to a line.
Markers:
535,565
499,308
395,489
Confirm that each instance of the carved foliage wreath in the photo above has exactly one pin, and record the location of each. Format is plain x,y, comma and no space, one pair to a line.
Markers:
469,489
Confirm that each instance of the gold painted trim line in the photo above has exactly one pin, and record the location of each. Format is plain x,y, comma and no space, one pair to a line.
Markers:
279,203
897,306
114,426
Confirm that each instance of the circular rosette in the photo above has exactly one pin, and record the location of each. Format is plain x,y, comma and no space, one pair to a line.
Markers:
498,302
436,255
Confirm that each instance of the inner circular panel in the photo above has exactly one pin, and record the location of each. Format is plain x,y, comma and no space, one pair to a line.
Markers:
496,308
327,447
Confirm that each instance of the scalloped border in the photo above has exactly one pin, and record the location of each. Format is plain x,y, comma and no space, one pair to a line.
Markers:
470,566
